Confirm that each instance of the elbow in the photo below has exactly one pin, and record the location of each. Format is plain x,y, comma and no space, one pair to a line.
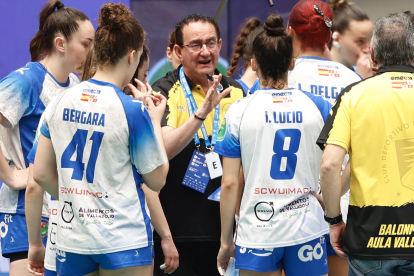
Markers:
160,178
329,166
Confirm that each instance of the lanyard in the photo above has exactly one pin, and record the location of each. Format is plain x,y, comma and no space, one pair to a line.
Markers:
192,108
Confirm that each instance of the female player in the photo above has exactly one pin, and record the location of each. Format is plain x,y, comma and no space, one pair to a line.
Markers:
244,49
104,144
310,28
272,135
58,49
352,32
171,55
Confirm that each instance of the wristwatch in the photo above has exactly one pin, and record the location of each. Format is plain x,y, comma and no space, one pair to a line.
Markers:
333,221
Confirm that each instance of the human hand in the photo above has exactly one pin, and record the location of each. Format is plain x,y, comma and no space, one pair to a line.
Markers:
363,66
337,236
19,180
171,257
320,199
143,91
212,97
35,262
224,255
156,108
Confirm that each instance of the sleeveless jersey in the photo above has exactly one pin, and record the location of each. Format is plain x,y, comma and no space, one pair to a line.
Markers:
321,77
24,94
274,132
103,140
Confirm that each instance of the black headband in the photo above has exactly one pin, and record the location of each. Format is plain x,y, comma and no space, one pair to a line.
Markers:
59,5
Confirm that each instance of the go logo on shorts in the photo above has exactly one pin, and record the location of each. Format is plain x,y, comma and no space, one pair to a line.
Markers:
307,252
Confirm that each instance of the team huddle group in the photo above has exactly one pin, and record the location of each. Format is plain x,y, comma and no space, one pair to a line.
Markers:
318,130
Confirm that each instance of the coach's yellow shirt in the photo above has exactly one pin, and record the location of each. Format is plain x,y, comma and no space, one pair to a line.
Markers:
374,121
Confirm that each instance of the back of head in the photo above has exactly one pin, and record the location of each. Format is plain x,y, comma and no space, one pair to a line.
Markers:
172,40
179,37
344,12
273,50
117,34
54,19
393,40
244,44
311,27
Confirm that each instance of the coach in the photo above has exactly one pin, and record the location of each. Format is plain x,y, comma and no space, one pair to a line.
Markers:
373,121
194,220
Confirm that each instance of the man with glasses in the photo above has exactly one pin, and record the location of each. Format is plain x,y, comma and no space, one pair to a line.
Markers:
194,111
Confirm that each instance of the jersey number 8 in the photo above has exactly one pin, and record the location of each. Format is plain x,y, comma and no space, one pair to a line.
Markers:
285,147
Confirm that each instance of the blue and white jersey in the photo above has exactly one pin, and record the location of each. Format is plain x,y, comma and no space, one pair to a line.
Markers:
24,94
103,140
249,90
274,133
321,77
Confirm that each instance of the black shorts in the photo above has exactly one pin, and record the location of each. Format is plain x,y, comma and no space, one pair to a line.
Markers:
196,258
16,256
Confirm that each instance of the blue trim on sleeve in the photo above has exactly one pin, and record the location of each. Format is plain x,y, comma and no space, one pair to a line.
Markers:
45,130
323,105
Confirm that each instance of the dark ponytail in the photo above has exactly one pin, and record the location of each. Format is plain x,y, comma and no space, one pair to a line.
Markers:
273,51
54,18
244,44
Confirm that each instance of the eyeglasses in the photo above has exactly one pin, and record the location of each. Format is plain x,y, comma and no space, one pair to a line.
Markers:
328,21
212,45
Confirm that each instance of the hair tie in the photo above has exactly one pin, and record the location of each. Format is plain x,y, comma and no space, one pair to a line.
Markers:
59,6
328,21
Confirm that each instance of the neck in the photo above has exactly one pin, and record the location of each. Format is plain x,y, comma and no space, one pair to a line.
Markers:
199,80
336,55
279,84
311,52
54,66
111,74
249,76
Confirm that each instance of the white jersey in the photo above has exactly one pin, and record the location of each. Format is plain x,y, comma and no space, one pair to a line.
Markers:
50,255
321,77
103,140
24,94
327,79
275,132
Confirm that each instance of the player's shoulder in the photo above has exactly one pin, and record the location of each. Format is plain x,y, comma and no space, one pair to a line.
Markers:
29,76
167,82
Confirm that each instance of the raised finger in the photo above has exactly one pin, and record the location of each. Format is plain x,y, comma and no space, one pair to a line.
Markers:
141,86
149,88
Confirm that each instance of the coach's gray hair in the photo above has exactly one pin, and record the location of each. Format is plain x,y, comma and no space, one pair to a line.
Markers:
393,42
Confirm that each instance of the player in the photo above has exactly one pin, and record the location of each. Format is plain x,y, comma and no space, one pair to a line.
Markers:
56,50
244,49
105,144
272,133
310,28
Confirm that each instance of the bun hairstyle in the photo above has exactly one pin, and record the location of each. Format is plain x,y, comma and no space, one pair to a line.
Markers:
310,26
117,34
54,19
244,44
344,12
273,51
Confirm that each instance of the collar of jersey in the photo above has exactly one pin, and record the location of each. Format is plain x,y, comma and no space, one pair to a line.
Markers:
103,83
66,84
317,58
396,68
192,85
